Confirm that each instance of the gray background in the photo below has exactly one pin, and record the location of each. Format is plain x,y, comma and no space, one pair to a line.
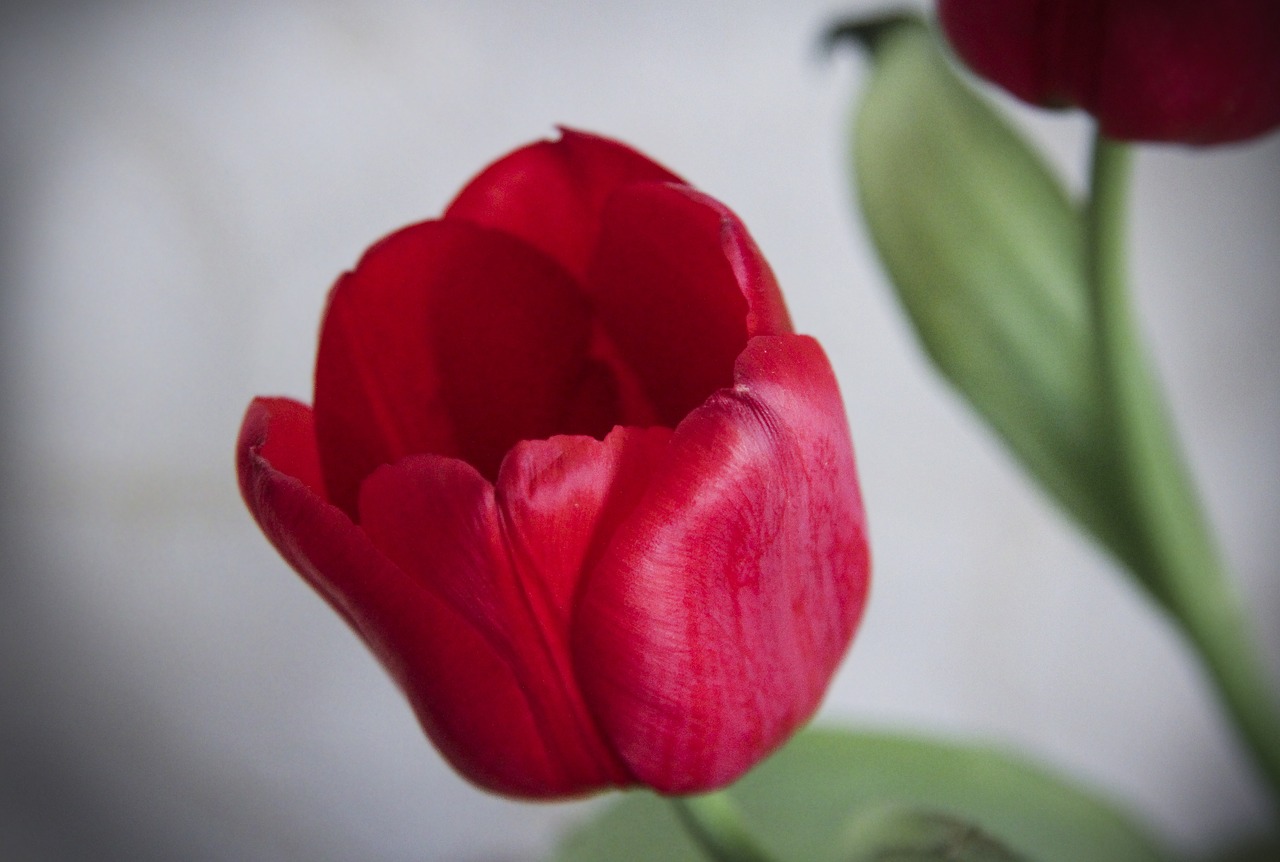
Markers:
181,186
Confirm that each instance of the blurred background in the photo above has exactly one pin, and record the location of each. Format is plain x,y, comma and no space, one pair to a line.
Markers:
181,185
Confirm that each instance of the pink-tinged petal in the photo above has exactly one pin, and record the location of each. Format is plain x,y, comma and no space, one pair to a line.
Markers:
677,284
562,500
508,563
551,193
711,626
448,339
463,692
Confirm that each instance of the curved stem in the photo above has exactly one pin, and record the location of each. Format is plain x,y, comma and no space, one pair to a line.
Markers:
1180,562
715,824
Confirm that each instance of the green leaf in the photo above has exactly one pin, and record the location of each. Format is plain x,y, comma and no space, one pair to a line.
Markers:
1020,299
810,801
985,250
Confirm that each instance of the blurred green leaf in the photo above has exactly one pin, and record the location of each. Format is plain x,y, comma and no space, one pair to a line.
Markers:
986,252
809,803
1020,298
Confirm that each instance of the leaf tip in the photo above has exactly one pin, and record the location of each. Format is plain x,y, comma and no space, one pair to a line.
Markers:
866,32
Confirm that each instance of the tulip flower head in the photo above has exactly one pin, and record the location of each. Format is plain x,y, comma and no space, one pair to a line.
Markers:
572,477
1191,71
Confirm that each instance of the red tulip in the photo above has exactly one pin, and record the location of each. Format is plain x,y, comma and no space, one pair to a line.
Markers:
1195,71
574,480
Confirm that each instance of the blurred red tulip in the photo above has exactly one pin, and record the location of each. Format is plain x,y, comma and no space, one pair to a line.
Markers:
1195,71
574,480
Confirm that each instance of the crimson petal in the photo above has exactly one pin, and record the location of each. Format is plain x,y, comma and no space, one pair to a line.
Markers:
679,286
766,312
710,628
462,691
1150,70
508,562
551,193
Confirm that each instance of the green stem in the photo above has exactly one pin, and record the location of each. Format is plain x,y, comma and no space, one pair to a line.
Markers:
715,824
1179,561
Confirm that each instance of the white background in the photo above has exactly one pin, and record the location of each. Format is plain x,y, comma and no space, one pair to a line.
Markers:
181,186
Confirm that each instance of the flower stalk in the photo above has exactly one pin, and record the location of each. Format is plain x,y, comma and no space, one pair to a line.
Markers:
715,824
1179,559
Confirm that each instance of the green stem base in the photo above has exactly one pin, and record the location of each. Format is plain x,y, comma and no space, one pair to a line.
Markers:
1178,561
716,826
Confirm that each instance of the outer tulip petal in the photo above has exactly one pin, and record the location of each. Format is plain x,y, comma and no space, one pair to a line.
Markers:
550,193
1197,72
508,563
1001,40
710,628
462,691
451,339
679,286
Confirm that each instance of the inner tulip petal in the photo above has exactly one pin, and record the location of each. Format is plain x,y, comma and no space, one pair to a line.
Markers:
668,295
450,339
550,193
710,628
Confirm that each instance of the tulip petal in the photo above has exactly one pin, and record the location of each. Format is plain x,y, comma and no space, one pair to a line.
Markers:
551,193
509,561
462,691
766,311
711,626
1150,70
563,499
449,339
679,286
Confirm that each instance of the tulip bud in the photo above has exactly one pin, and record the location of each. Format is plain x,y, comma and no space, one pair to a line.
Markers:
1193,71
573,478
